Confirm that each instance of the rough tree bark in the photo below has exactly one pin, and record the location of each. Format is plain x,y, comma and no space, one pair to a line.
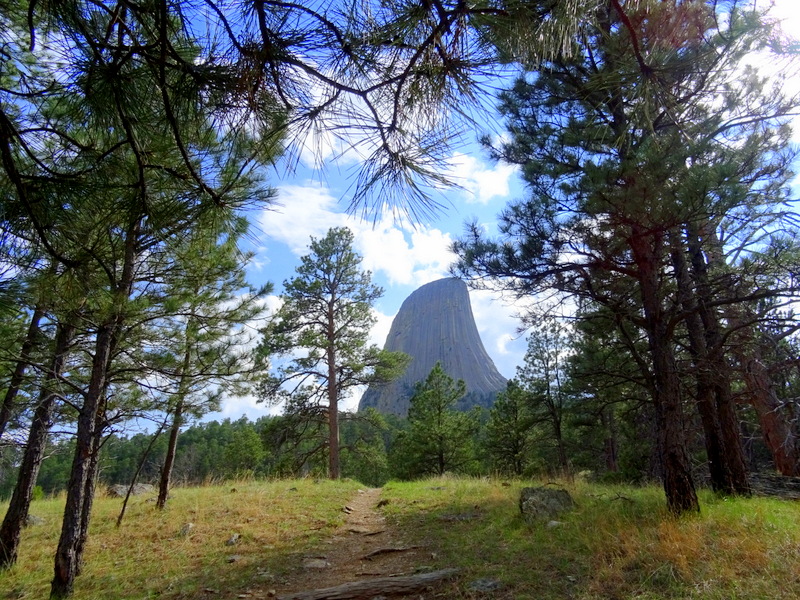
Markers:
777,432
19,505
779,436
67,553
19,370
374,588
333,397
647,251
77,510
717,366
725,457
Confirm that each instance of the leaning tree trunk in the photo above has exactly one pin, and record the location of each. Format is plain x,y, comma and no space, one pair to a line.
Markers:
776,430
18,507
19,370
77,509
177,420
169,459
677,475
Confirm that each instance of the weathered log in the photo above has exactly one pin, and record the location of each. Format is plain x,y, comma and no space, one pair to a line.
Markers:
384,586
380,551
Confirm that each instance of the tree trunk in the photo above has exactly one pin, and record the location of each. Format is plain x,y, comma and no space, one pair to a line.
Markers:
169,459
403,585
561,449
717,370
333,400
88,493
707,379
67,554
177,421
677,475
17,513
135,477
19,370
778,434
610,445
77,510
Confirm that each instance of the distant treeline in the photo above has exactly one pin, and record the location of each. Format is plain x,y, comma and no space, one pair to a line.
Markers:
374,450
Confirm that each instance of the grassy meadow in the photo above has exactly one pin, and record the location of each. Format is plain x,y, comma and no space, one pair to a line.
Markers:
619,543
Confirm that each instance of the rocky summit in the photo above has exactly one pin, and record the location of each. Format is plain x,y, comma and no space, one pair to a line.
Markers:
435,323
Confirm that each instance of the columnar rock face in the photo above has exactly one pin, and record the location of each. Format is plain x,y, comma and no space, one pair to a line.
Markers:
435,323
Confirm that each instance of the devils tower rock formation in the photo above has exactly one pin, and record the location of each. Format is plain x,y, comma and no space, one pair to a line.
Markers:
435,323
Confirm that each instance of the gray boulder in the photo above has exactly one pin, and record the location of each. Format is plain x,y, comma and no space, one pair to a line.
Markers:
119,491
542,504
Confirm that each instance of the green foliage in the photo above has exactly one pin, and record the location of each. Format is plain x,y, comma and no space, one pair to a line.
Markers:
323,328
652,146
507,436
296,442
326,316
206,452
245,453
364,455
439,439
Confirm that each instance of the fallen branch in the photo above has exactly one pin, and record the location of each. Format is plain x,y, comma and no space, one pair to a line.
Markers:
383,586
380,551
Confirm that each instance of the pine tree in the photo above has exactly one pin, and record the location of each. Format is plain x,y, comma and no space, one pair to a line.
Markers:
326,315
543,376
638,139
204,335
507,437
439,439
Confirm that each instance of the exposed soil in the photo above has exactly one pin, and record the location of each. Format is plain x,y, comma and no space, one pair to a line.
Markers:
364,547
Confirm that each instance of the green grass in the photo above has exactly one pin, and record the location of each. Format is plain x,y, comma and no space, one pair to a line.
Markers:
147,557
620,543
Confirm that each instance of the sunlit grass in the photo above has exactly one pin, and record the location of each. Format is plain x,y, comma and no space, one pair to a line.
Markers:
148,555
619,543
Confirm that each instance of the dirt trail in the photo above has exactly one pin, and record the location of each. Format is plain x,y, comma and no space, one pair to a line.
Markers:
348,555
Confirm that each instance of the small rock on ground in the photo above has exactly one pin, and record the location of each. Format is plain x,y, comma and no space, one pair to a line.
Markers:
485,586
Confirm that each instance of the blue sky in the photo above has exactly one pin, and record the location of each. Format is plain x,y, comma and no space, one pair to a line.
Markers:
402,256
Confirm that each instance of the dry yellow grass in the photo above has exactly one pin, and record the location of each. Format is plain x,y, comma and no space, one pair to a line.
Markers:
149,556
620,542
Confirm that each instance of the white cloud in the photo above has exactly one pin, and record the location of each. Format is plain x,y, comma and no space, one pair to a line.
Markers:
405,256
233,408
302,211
480,182
497,326
380,331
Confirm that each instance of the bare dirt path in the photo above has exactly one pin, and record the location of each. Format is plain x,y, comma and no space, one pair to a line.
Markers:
363,548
